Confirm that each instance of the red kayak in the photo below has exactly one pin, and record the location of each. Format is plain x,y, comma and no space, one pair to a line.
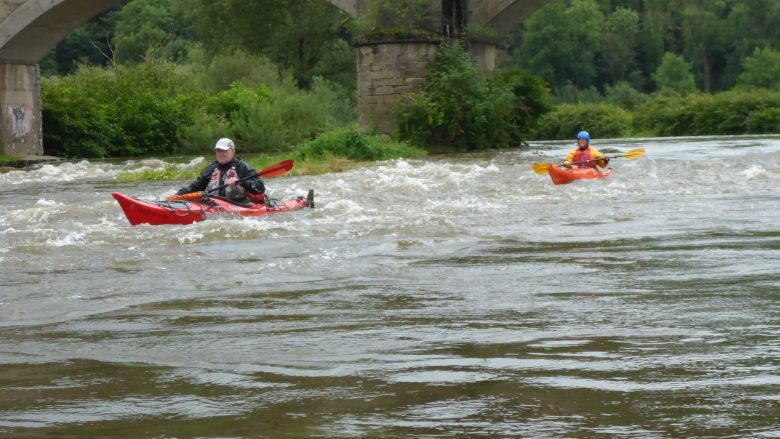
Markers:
563,175
187,212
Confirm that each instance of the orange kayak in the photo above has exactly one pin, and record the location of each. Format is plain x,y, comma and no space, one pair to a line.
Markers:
562,175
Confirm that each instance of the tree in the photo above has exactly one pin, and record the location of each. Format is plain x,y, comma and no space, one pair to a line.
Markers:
674,75
544,47
561,43
586,23
306,37
756,23
151,28
90,44
620,43
706,35
762,70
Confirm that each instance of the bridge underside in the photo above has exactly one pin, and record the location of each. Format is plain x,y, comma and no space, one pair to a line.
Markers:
502,15
37,26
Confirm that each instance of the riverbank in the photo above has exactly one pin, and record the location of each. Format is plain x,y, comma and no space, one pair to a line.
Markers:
13,162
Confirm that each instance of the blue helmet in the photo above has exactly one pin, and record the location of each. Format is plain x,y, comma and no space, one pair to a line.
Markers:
584,135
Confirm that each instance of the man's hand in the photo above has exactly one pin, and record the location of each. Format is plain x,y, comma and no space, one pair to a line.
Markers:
232,182
567,163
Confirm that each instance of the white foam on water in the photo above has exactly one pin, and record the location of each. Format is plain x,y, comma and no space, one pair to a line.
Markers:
755,172
70,239
86,170
47,203
157,164
62,172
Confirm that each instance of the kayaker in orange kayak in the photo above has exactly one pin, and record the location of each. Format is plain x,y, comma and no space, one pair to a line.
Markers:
228,170
584,155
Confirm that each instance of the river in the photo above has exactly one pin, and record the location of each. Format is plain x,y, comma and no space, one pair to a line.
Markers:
457,296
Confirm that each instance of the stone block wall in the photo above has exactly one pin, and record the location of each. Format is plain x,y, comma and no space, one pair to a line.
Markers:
386,71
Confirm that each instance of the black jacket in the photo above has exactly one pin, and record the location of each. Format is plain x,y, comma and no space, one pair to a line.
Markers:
253,185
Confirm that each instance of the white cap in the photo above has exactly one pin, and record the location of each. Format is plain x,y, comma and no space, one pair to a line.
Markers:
224,144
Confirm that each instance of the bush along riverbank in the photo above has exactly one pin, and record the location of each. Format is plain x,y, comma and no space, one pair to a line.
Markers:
728,113
161,108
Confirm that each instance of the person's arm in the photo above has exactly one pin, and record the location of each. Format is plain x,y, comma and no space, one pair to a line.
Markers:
569,158
200,183
254,185
603,160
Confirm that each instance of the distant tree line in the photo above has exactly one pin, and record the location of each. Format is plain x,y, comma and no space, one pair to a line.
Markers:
587,48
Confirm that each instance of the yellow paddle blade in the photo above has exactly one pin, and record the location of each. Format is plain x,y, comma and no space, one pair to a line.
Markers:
542,168
634,154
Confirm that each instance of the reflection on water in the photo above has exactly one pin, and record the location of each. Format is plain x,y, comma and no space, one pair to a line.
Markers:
457,296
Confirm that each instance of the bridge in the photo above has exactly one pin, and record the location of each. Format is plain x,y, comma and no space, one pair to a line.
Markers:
29,29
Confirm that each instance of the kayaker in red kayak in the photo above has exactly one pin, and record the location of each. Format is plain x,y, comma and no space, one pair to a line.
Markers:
584,155
227,170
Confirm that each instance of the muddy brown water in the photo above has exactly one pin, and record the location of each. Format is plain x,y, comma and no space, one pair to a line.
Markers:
460,296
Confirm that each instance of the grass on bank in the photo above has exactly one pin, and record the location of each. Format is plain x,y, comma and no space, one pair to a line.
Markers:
335,151
7,160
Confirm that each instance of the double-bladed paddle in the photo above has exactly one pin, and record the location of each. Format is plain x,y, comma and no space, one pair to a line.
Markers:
267,172
544,168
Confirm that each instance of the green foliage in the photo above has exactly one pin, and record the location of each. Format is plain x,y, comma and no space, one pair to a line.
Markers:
674,75
532,100
570,94
459,108
353,144
762,70
112,112
484,34
602,120
9,160
218,72
91,44
766,121
304,37
561,43
160,108
625,96
620,42
721,114
156,30
168,173
263,119
383,18
566,41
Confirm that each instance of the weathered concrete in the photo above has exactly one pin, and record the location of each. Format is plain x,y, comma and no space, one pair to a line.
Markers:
34,27
350,7
502,15
20,104
387,71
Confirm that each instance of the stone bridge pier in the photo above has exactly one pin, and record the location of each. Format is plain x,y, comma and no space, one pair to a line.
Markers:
389,68
386,69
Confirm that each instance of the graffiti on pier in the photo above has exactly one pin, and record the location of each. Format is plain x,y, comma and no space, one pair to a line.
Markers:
19,121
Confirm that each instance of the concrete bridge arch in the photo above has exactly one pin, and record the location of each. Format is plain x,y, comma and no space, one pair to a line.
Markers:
29,29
